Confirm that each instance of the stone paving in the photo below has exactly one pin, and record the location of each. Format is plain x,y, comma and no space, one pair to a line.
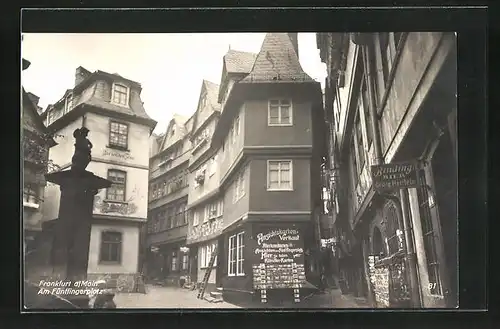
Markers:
176,298
166,297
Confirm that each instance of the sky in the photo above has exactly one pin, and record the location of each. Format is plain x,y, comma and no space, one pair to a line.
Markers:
170,67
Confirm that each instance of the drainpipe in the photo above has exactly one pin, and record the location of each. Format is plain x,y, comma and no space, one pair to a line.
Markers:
410,251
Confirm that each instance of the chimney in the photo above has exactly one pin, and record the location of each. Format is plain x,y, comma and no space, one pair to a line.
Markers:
80,75
295,42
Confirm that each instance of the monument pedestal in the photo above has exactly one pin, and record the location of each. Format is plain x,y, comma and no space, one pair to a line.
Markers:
73,227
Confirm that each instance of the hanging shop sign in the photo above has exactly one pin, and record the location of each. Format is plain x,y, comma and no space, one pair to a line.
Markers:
280,261
394,176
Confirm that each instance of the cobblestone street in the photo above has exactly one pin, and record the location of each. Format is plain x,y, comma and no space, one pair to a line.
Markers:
172,297
165,297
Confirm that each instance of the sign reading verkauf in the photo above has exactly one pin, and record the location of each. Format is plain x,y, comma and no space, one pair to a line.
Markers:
395,176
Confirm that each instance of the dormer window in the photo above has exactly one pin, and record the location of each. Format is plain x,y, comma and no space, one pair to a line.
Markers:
120,94
68,105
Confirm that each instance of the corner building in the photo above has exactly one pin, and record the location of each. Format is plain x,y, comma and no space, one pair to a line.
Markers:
110,106
269,138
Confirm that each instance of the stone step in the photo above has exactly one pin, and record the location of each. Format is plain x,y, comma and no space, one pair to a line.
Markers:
216,294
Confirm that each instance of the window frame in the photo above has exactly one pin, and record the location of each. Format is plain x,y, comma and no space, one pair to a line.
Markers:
113,90
119,250
238,252
118,145
279,161
68,103
114,183
239,187
196,217
280,123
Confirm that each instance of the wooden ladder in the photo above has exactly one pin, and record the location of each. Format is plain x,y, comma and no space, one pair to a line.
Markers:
206,277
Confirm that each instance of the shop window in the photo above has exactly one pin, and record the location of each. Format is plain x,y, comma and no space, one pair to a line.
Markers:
185,262
175,261
206,254
235,259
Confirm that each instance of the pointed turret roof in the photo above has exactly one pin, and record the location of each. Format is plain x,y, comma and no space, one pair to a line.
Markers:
277,61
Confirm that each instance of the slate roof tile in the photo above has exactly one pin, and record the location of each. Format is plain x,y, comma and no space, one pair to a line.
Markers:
277,61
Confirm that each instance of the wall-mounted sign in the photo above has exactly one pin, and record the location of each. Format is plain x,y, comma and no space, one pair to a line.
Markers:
122,155
379,278
280,259
395,176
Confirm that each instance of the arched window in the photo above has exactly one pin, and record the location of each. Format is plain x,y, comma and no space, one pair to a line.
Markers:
377,243
393,230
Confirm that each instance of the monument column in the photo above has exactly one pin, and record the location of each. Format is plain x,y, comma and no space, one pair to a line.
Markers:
72,229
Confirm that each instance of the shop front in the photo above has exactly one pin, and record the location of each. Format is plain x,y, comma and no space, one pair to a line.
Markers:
269,262
169,263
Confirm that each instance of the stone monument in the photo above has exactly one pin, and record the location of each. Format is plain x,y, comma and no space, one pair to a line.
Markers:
72,228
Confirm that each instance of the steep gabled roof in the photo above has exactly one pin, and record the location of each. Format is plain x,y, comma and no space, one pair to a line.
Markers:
210,90
277,61
178,121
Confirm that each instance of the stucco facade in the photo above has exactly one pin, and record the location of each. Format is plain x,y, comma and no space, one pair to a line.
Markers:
109,106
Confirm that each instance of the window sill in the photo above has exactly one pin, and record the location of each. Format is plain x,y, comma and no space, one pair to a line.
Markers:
237,275
109,263
280,189
121,105
114,201
279,124
118,147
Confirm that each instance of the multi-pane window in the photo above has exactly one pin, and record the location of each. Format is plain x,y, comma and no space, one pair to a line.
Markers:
182,214
366,109
239,187
120,94
118,134
116,192
30,194
111,247
354,167
185,262
212,210
68,105
279,173
235,258
196,217
175,261
206,254
360,145
279,113
235,130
